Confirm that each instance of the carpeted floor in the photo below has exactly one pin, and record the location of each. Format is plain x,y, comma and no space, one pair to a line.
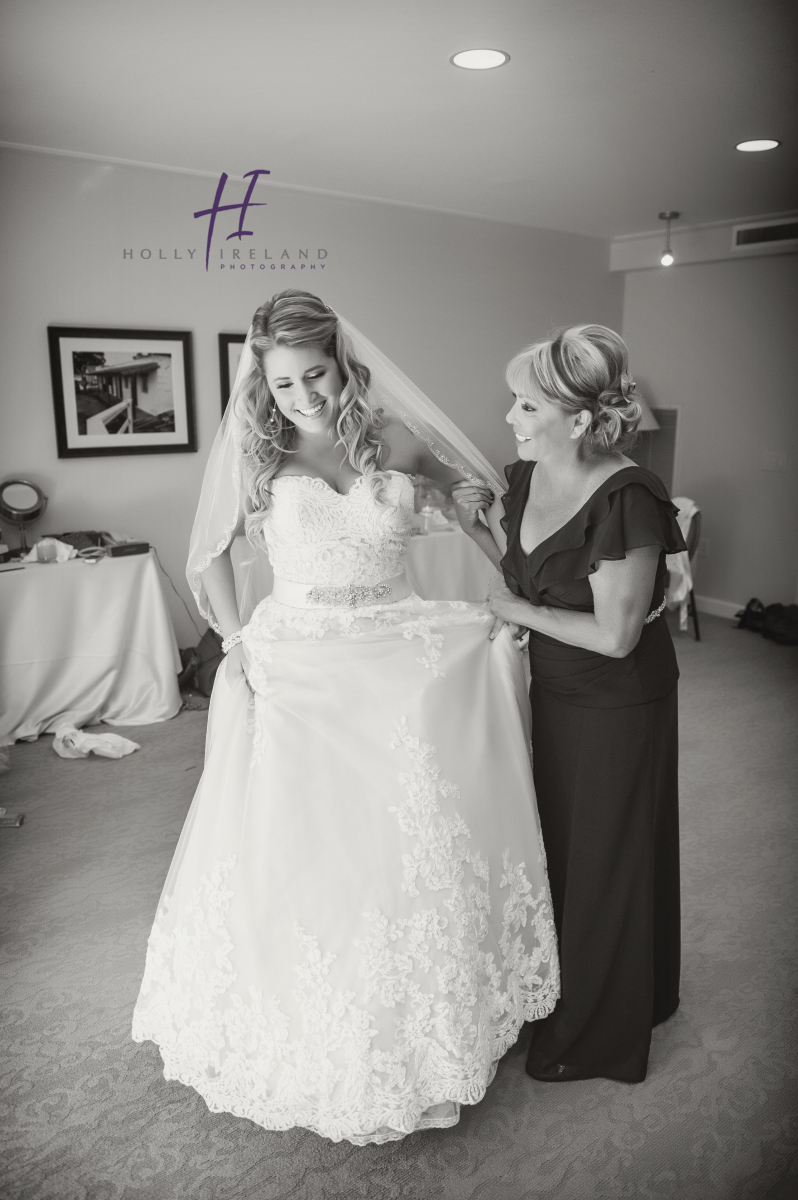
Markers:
87,1114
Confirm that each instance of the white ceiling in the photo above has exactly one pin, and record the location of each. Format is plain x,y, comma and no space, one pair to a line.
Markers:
609,110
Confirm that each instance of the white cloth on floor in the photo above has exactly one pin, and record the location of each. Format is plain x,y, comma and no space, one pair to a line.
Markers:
70,742
357,919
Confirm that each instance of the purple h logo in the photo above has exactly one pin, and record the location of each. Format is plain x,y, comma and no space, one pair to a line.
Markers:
218,207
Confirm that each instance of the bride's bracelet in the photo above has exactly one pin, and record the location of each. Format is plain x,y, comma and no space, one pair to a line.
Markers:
234,639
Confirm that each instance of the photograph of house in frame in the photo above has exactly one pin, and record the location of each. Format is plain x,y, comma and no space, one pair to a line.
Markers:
122,391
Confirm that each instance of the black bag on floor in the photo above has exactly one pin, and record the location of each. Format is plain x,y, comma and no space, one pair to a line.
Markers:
752,616
781,624
200,663
210,652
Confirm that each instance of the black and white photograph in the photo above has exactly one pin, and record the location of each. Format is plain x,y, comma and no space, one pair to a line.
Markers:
231,346
118,391
398,600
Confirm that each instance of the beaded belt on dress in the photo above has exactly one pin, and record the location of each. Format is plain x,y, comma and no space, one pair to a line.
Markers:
655,612
350,595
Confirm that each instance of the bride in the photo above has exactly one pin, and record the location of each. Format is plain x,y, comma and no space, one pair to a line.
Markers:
356,921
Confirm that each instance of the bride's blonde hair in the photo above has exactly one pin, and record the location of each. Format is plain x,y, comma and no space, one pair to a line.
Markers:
294,318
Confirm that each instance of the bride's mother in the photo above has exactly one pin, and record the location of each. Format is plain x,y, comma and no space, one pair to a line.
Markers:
587,532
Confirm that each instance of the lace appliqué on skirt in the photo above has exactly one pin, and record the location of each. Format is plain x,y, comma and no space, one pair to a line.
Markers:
427,620
331,1068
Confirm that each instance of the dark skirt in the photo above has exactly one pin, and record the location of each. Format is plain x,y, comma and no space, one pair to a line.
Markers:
607,792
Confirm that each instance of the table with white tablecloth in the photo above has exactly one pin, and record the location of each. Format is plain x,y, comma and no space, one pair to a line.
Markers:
449,565
82,643
444,565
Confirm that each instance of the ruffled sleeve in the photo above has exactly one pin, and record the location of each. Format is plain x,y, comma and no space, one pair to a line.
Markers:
631,509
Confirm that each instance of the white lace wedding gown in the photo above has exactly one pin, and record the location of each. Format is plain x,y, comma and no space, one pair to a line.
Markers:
357,919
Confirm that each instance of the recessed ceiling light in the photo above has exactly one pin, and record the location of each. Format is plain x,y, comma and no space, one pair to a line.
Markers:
757,144
479,60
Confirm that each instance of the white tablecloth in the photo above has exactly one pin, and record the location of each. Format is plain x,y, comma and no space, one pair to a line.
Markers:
441,566
449,566
81,644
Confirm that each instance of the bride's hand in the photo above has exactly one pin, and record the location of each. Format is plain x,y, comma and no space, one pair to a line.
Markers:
470,499
236,665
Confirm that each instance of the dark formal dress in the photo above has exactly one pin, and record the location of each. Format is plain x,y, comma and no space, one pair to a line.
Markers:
605,751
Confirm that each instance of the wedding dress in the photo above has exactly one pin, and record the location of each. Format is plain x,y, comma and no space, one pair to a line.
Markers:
357,919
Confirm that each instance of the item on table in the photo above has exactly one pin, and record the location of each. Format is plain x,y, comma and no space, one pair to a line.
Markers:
53,550
82,540
117,545
432,519
125,548
433,504
428,493
5,553
47,550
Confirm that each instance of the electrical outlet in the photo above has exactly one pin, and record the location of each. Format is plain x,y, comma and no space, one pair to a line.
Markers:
703,548
774,460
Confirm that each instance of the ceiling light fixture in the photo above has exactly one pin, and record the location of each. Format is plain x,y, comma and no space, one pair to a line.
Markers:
757,144
479,60
668,216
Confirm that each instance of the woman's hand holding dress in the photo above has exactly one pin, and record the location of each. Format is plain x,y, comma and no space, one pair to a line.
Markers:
621,596
507,609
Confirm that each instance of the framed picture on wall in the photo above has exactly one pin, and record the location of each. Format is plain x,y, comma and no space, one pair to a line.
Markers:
122,391
230,347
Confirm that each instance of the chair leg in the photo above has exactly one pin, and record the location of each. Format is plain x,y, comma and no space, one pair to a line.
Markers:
694,615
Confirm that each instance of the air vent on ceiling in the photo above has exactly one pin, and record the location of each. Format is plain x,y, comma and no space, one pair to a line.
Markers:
780,234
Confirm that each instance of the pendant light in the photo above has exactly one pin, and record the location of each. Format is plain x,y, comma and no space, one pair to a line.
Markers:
668,216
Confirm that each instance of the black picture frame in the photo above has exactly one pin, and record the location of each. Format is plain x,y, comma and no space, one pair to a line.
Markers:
226,362
99,378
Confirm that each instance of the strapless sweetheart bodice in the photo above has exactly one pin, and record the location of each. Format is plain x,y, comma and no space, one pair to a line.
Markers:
316,535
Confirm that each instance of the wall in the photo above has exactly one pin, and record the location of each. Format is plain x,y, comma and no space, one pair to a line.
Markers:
449,298
717,341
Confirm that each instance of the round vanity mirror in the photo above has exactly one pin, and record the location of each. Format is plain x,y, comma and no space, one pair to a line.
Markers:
21,502
20,497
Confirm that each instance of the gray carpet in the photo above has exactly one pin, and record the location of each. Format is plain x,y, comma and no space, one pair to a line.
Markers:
87,1115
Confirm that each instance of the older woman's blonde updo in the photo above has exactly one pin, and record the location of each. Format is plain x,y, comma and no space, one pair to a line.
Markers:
584,368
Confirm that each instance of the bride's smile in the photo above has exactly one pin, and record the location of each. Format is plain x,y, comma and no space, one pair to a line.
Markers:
306,385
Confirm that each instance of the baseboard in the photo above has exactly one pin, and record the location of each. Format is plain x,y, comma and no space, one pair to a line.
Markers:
718,608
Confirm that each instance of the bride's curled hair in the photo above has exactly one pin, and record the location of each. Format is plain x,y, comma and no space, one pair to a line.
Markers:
582,368
294,318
